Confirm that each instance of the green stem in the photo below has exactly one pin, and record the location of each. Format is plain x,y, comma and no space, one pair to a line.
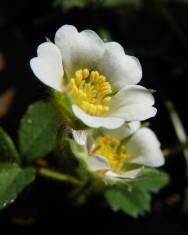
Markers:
179,130
175,150
58,176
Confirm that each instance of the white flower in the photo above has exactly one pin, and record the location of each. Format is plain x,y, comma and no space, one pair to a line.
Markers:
113,152
98,78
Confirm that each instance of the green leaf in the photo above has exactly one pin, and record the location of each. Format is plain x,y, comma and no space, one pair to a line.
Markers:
152,180
38,130
133,196
132,202
13,180
62,104
8,150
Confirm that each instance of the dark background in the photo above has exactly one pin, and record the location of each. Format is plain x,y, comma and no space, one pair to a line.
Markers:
155,31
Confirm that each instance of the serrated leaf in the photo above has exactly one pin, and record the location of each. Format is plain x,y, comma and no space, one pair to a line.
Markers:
8,150
133,196
133,203
13,180
152,180
38,130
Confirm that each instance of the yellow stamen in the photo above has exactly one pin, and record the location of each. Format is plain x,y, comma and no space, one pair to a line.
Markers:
111,148
90,91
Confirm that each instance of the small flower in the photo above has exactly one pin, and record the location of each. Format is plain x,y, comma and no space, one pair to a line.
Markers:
92,81
121,153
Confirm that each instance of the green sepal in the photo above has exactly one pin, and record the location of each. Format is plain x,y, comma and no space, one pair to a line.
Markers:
63,105
80,155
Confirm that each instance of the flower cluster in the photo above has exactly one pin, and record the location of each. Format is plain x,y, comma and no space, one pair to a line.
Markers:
94,87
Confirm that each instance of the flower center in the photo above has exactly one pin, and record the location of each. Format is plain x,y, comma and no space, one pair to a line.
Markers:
90,91
111,148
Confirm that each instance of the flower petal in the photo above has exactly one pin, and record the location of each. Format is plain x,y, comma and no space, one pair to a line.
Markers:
97,163
120,69
79,50
96,122
124,131
144,148
80,136
132,103
127,175
48,65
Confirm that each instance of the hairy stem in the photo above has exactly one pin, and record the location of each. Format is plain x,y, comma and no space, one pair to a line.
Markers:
45,172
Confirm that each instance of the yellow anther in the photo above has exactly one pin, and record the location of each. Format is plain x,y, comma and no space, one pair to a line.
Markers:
111,148
79,73
82,94
92,76
90,91
85,73
105,108
78,77
99,108
105,92
96,74
102,78
106,100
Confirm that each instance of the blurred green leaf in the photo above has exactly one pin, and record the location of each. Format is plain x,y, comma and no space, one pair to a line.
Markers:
105,34
178,128
133,196
68,4
8,150
38,130
13,180
185,203
111,3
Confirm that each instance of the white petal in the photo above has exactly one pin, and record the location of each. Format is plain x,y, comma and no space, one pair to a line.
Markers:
133,103
120,69
48,65
79,50
96,122
90,142
144,148
97,163
80,136
127,175
124,131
